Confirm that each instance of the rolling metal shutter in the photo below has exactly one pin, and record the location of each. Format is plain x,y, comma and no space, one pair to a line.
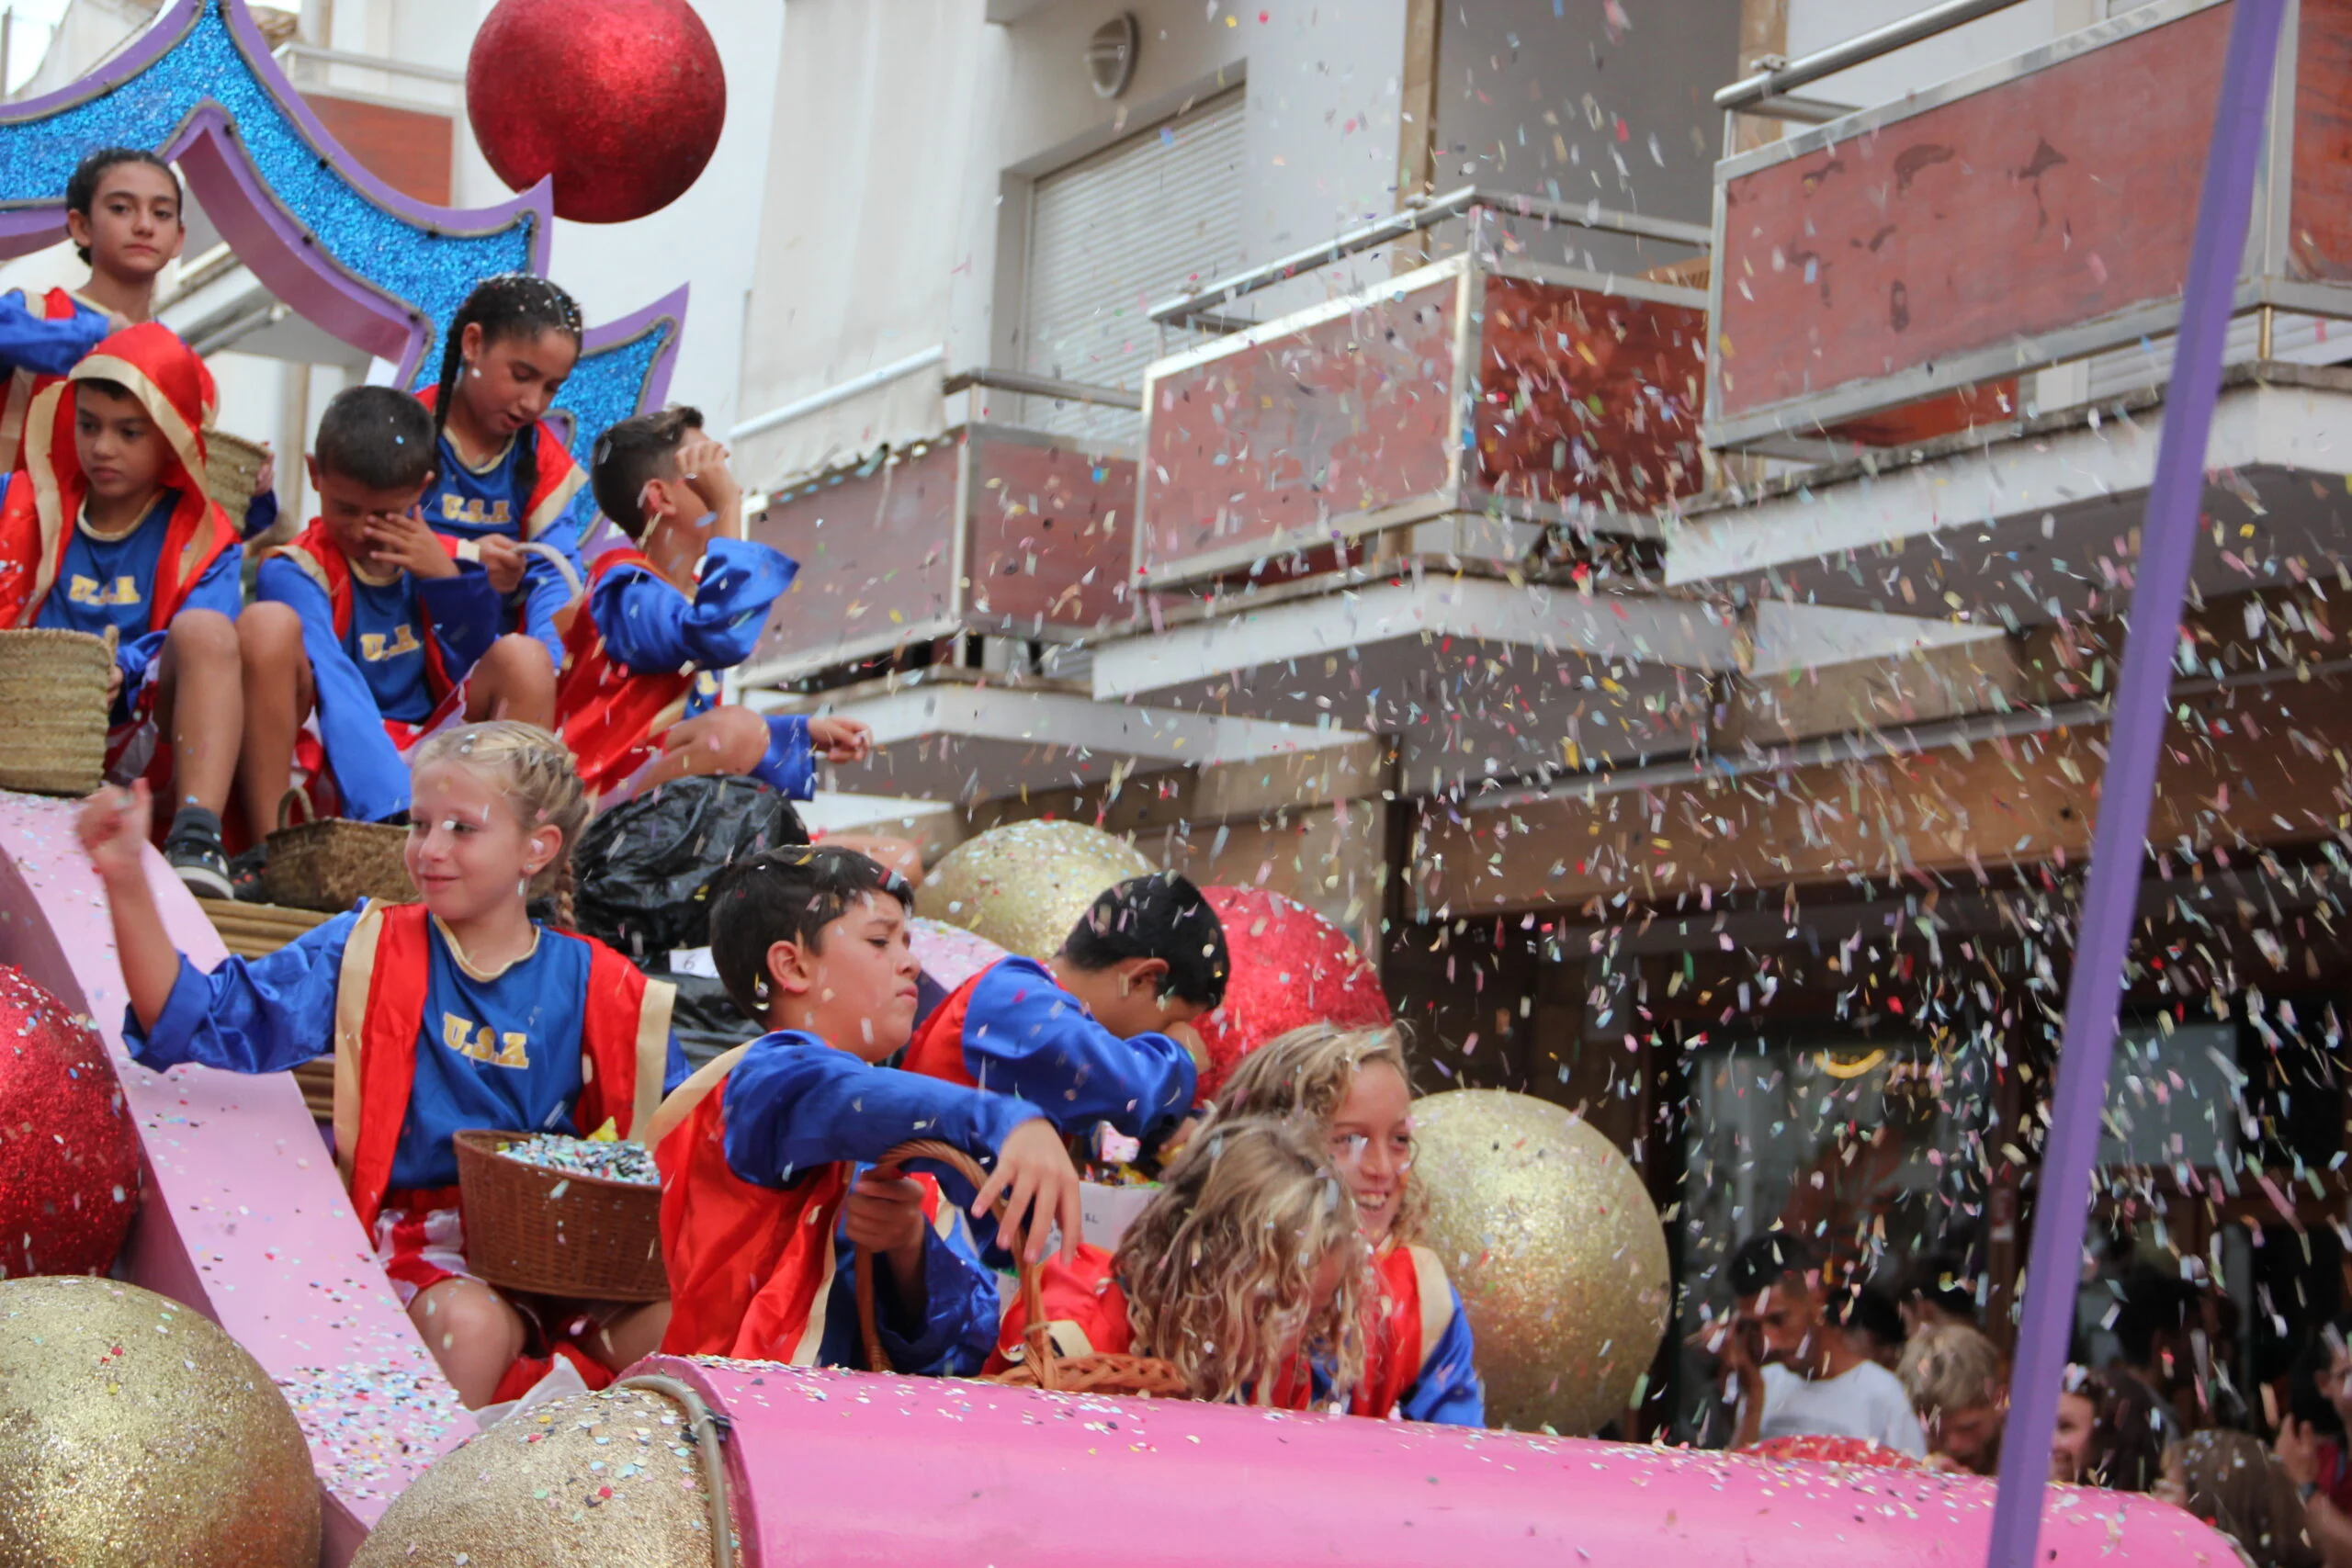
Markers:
1114,233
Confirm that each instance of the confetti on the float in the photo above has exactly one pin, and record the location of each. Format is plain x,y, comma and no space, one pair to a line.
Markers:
606,1161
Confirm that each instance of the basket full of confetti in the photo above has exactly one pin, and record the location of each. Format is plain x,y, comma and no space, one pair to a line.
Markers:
579,1218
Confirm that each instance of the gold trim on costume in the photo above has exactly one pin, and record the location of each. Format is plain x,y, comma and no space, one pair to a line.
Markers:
653,1050
812,1333
1437,1300
682,1101
20,383
353,981
548,510
49,507
309,565
89,530
458,952
187,443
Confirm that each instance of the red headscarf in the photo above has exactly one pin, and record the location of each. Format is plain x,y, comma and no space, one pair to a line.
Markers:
44,500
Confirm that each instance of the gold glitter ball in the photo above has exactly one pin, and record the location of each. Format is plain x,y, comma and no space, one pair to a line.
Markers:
1024,885
1550,1236
606,1479
134,1432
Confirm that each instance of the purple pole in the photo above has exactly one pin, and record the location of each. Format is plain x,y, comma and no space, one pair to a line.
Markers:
2167,543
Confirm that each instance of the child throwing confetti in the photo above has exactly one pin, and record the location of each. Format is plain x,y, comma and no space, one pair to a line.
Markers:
455,1012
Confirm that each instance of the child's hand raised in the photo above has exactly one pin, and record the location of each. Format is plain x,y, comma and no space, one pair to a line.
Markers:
113,829
1040,1188
402,540
702,462
840,739
502,562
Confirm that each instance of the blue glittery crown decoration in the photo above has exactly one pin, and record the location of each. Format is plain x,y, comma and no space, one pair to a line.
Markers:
377,268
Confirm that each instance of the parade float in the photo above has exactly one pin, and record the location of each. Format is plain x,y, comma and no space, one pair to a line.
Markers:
201,1360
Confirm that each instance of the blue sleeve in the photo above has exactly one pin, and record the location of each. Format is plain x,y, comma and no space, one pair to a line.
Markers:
648,624
793,1102
368,771
40,345
1025,1036
261,514
546,590
223,586
134,657
1448,1390
251,1015
951,1331
790,764
675,1068
465,611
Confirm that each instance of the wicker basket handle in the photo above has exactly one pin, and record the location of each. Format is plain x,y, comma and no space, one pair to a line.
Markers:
294,803
1033,1305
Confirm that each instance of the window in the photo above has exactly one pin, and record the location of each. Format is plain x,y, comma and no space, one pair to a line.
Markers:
1116,233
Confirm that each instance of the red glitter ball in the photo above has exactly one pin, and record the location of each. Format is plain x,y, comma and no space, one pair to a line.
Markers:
1291,967
620,100
69,1156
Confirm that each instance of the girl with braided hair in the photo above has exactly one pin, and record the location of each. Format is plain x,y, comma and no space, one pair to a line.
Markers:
507,478
455,1012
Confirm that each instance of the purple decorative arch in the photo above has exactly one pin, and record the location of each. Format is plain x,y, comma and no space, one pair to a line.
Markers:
374,267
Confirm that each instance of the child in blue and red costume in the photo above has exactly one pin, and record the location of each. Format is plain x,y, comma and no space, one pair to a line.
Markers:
1244,1268
456,1012
764,1200
381,629
108,530
122,212
1102,1031
687,597
507,478
1353,1088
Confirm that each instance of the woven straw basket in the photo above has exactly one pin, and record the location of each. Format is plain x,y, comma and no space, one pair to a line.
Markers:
332,864
53,692
1045,1366
232,464
556,1233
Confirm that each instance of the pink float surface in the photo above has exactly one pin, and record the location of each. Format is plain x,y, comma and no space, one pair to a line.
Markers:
844,1469
241,1215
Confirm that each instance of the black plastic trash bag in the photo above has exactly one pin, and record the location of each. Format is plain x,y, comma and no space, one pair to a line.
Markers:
645,866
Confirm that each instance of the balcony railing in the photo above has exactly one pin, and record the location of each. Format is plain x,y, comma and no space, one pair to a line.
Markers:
1486,383
989,531
2032,213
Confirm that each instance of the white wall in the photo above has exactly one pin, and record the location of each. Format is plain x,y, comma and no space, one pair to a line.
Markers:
707,237
1817,24
1532,93
905,133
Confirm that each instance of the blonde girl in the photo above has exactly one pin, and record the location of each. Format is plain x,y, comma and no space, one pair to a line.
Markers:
458,1011
1354,1089
1243,1271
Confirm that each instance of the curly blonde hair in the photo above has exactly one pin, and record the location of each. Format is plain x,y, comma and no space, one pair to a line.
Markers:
1308,1072
1221,1269
533,770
